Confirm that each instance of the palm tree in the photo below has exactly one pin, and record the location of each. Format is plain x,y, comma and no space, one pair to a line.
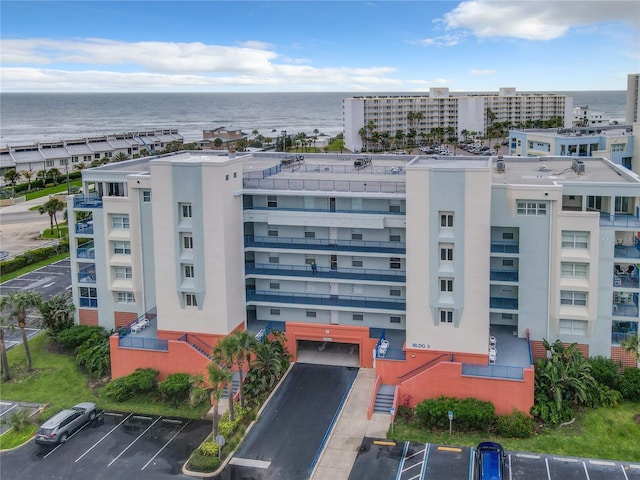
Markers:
246,345
28,175
120,157
19,302
363,136
12,177
224,354
632,346
4,361
218,377
56,312
54,174
51,207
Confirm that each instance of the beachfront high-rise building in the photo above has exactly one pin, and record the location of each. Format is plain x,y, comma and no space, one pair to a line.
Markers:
443,274
633,98
456,114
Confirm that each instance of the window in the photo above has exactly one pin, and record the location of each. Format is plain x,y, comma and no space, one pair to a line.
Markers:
507,262
309,260
446,253
48,163
508,236
394,237
274,285
446,284
395,263
531,208
395,292
187,242
309,234
125,297
358,317
446,220
272,201
64,161
186,210
235,174
274,311
622,204
120,222
146,196
573,327
88,292
446,316
394,206
594,202
311,314
618,147
122,272
189,271
226,178
190,300
274,259
395,319
356,236
571,239
272,232
86,158
122,248
356,262
573,298
574,270
74,159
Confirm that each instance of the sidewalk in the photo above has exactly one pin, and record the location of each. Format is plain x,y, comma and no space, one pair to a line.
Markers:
352,426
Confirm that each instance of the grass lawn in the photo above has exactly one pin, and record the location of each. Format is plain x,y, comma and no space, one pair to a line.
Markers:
608,432
53,190
58,381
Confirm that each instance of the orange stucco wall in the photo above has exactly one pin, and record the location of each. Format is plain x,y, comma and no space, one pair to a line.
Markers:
619,354
446,379
331,333
88,317
124,318
538,350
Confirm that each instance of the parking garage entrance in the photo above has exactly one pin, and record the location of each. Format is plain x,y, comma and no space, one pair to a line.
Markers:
328,353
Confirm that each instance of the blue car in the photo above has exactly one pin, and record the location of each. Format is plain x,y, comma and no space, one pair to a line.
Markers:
489,461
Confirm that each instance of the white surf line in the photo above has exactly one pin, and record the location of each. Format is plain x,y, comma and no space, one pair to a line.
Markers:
131,444
247,462
105,436
165,445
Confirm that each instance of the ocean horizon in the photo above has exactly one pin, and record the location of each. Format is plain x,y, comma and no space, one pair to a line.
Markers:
27,118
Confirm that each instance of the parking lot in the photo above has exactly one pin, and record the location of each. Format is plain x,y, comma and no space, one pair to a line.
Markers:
117,445
8,408
408,460
48,280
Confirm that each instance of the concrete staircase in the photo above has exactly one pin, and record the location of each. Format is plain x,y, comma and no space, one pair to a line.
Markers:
235,386
206,354
384,399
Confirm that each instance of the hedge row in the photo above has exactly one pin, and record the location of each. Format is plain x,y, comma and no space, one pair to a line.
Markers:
33,256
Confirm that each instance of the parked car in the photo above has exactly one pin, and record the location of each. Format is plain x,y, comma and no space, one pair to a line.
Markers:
60,427
489,461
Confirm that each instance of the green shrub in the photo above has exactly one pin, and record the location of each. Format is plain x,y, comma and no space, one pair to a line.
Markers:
94,355
18,420
175,388
198,395
75,336
630,384
606,371
143,380
469,413
210,448
33,256
227,427
515,425
203,463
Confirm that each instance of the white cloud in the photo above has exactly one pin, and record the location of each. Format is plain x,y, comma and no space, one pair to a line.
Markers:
448,40
536,20
475,71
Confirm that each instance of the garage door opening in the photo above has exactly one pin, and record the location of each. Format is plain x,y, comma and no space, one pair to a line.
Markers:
328,353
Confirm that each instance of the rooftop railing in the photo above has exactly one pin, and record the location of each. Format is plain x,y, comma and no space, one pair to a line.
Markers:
309,185
325,244
87,201
327,210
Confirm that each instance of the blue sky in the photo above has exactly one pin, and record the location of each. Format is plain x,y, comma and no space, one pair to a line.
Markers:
342,46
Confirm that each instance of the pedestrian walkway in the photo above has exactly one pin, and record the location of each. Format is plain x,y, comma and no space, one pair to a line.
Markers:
352,426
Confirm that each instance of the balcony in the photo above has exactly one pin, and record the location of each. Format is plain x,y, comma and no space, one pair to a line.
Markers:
625,276
82,201
626,251
325,244
270,269
622,330
505,246
503,303
85,226
503,275
86,250
350,301
619,220
625,304
326,210
87,274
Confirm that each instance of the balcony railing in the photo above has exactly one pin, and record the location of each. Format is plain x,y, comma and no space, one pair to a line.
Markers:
85,226
624,251
86,250
494,371
133,341
87,274
89,302
626,281
503,303
504,275
501,246
82,201
325,272
624,310
618,337
618,220
308,185
325,244
353,301
326,210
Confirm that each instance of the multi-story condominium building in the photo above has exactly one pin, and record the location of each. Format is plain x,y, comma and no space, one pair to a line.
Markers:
452,112
67,154
583,116
633,98
613,142
443,274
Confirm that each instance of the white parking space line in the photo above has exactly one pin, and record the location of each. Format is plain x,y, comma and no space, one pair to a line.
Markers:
5,403
8,409
74,434
624,472
510,474
131,444
165,445
48,285
546,461
603,463
565,459
526,455
105,436
586,472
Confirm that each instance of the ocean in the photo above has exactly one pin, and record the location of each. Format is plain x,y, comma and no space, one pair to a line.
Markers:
31,117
